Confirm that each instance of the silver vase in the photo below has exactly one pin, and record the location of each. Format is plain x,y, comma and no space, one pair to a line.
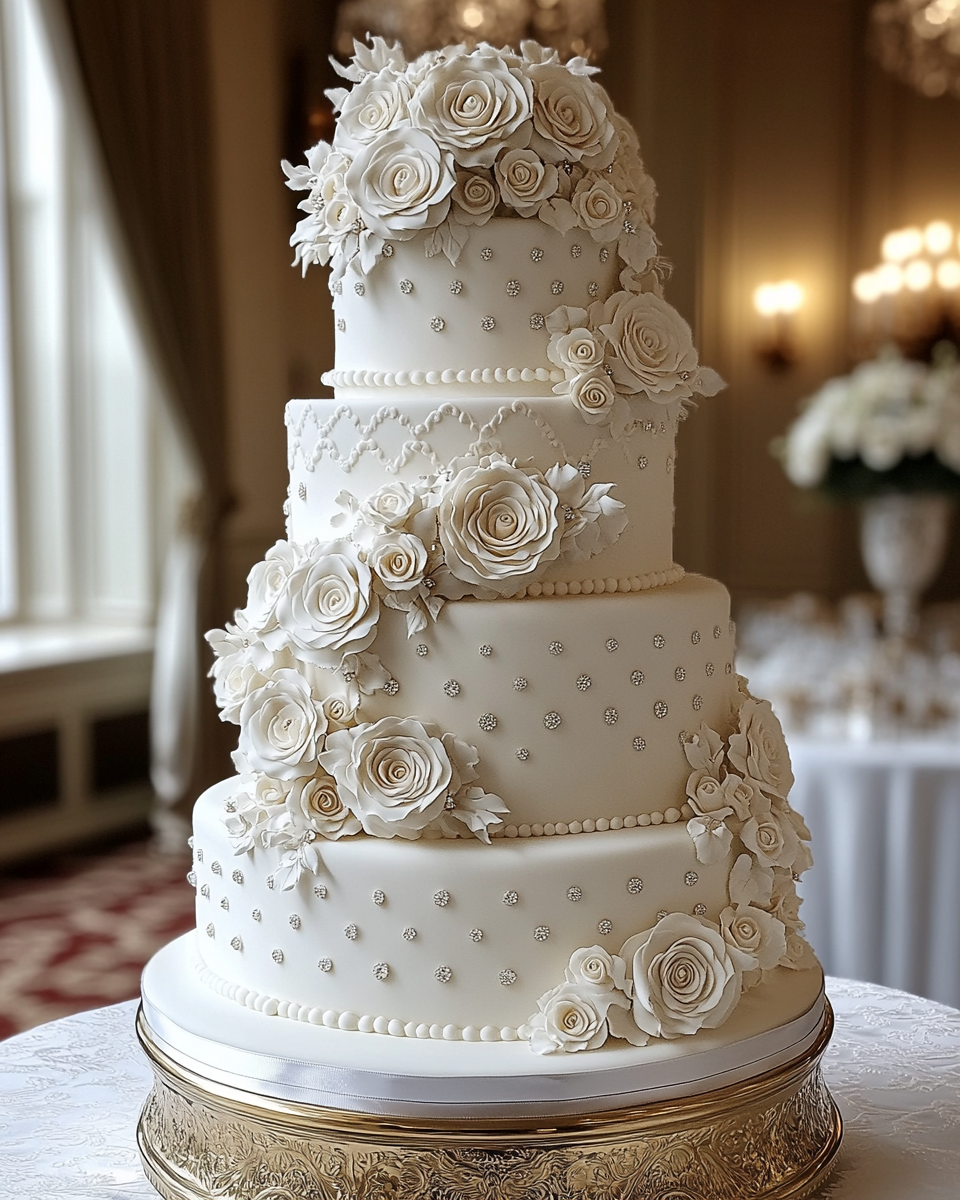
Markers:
903,537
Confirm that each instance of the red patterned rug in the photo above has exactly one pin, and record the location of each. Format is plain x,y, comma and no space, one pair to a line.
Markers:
79,938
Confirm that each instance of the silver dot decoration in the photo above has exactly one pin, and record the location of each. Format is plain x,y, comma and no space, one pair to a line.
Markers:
635,886
487,323
236,943
699,910
192,878
351,933
456,286
575,894
717,631
237,876
391,687
508,977
325,964
381,971
388,251
679,674
660,710
216,868
205,891
557,287
513,287
302,491
593,289
277,956
443,974
452,688
536,254
486,254
643,462
604,255
341,325
583,682
475,935
612,644
728,668
523,754
552,720
697,703
611,716
379,897
520,684
225,904
256,914
438,324
661,914
359,288
576,250
422,650
695,637
604,926
639,743
450,804
211,930
409,934
659,641
636,678
537,321
555,647
442,898
338,288
709,670
511,898
294,921
487,722
406,286
320,891
485,651
691,878
541,933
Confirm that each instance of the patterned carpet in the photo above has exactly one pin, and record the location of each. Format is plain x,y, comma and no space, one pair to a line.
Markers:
78,938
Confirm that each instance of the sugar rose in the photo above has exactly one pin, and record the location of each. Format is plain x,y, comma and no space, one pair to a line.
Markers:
570,1018
756,933
759,749
398,560
376,103
266,583
571,117
525,182
390,506
317,802
595,967
474,197
579,349
402,182
281,726
652,346
599,207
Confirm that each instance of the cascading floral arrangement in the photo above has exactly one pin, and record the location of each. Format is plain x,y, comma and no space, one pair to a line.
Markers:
891,425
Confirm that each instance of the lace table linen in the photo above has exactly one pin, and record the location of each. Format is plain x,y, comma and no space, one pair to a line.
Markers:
70,1093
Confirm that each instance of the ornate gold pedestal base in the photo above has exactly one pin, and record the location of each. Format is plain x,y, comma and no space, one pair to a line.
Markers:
772,1138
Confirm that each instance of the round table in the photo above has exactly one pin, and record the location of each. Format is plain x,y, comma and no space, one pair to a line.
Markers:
70,1093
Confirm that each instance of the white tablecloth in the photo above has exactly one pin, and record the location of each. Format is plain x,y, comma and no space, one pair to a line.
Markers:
70,1093
882,900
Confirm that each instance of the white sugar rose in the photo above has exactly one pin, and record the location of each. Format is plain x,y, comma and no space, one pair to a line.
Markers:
474,197
270,792
398,560
784,902
743,795
394,775
390,506
474,105
571,118
595,396
593,967
571,1017
773,840
340,712
234,679
685,977
317,802
329,608
750,882
600,209
525,182
577,350
592,518
374,105
402,182
497,525
281,727
706,795
799,955
652,346
756,933
711,838
266,583
759,749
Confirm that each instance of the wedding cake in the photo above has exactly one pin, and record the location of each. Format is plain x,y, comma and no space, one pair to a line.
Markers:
504,814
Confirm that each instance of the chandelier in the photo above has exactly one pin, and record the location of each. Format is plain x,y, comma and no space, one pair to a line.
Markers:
919,42
571,27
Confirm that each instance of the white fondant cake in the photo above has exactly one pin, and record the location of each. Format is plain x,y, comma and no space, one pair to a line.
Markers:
498,781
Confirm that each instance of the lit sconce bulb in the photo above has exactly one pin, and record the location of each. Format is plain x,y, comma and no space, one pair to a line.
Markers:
791,296
471,15
777,303
889,279
948,274
938,237
918,275
766,299
866,287
901,244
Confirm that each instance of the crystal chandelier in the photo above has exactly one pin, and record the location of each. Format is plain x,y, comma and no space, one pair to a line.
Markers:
919,42
570,26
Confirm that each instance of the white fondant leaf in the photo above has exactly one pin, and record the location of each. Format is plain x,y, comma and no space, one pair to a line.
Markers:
559,215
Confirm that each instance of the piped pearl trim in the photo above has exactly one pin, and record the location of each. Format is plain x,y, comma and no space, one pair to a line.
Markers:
369,379
596,587
270,1006
669,816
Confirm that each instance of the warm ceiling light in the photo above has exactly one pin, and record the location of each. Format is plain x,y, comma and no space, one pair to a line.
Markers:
472,16
866,287
938,237
918,275
889,279
902,244
948,274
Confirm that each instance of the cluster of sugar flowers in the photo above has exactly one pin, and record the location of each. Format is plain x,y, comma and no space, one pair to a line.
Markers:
444,143
688,973
885,411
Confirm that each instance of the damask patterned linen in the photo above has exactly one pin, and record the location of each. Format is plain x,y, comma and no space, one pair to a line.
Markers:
70,1093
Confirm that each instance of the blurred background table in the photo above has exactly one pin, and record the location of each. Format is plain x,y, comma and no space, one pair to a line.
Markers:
70,1093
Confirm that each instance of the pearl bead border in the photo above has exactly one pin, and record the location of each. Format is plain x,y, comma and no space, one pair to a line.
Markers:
669,816
391,379
597,587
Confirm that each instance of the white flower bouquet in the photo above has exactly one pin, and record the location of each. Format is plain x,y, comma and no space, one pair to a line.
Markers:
891,425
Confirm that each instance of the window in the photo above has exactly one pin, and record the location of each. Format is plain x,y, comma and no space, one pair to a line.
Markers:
89,464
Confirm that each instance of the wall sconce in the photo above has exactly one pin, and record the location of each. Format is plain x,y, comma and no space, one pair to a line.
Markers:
777,305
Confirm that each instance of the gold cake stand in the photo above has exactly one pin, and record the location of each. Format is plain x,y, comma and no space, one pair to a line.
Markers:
774,1137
